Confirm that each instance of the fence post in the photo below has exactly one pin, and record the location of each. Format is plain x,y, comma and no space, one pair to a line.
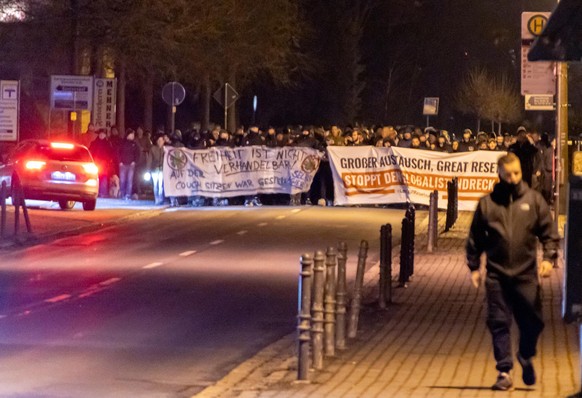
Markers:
304,318
341,297
357,299
3,195
317,311
330,291
385,285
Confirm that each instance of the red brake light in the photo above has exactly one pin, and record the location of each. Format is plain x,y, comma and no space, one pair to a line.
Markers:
91,168
62,145
34,165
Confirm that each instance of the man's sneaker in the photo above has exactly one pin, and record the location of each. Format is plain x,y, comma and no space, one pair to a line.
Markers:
503,383
248,203
529,374
256,202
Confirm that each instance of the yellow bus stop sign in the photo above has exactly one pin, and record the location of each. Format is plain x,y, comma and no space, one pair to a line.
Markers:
536,24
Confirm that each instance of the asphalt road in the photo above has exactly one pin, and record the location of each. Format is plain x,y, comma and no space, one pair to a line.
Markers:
165,303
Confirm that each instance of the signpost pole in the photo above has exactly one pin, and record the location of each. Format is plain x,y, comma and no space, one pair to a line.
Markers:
173,112
561,138
225,105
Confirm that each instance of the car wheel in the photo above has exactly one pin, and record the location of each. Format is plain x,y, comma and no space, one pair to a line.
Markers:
66,204
89,205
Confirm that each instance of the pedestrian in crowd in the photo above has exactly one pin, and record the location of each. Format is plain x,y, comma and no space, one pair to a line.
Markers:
144,142
88,136
546,167
492,144
442,145
528,156
154,165
104,157
467,144
415,142
500,142
406,141
506,226
455,146
271,138
128,155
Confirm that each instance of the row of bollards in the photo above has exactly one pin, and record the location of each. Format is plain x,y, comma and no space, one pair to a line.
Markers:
322,320
433,221
19,203
407,247
452,203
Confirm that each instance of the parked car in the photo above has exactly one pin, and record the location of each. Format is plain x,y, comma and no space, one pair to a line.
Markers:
63,172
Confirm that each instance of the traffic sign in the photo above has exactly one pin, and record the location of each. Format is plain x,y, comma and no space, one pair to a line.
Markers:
226,96
537,78
9,110
539,103
431,106
72,92
173,93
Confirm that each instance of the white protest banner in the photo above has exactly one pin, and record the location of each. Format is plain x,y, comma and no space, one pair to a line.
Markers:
376,175
227,172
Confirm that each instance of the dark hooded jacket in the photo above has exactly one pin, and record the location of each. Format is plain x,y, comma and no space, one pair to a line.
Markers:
505,226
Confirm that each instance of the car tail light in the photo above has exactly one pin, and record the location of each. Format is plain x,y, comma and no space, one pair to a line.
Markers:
34,165
91,168
62,145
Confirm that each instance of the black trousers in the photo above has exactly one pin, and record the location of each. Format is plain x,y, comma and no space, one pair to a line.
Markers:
516,298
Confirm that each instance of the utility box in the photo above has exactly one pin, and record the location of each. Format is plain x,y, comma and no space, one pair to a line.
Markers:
572,304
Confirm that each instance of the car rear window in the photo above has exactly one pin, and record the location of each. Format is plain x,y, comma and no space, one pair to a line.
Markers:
75,154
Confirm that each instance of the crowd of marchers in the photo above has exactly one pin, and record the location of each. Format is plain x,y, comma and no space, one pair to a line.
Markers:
124,159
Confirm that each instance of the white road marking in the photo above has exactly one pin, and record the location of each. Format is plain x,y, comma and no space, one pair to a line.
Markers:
295,210
217,242
56,299
3,316
109,281
263,224
280,217
152,265
188,253
242,232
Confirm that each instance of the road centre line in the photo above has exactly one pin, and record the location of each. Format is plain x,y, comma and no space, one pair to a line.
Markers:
263,224
152,265
217,242
188,253
280,217
244,231
56,299
109,281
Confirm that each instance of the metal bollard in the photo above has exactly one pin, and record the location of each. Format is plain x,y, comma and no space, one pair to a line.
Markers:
317,311
432,225
3,195
341,297
412,233
404,250
16,203
456,201
385,285
357,299
329,312
25,210
304,318
452,204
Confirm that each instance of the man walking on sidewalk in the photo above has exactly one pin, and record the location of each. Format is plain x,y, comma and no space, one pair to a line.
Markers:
505,226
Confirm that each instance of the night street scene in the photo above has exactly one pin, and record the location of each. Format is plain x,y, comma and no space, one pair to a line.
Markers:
290,198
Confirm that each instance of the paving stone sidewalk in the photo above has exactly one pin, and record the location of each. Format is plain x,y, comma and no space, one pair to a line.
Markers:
431,342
